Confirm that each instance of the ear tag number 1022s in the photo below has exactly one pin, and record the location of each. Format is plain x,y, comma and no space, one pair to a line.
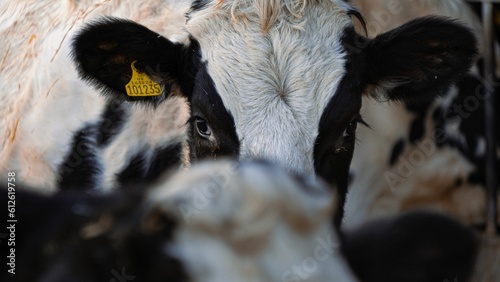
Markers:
141,85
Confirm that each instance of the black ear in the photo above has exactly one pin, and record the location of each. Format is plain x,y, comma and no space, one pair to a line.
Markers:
420,59
105,50
413,247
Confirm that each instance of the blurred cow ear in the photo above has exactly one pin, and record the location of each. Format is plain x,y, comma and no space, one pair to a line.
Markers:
419,60
116,54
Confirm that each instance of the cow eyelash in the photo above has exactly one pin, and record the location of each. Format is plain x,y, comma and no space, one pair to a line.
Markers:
353,125
359,119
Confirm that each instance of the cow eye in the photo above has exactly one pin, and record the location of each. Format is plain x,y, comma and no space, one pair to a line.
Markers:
202,128
351,129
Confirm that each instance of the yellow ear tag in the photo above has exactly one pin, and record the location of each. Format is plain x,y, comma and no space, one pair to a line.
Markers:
141,85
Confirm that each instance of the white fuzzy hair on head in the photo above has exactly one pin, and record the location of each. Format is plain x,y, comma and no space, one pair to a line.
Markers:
276,84
267,11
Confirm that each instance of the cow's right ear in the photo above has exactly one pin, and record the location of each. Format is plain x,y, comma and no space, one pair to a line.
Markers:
130,62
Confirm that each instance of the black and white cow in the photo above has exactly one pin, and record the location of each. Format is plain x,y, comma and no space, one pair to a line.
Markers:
429,155
432,155
280,80
224,221
276,80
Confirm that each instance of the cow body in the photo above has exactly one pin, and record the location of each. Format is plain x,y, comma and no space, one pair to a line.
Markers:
226,220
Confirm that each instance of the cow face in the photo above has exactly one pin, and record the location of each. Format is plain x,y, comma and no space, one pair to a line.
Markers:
280,80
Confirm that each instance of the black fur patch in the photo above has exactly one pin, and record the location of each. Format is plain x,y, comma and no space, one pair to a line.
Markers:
198,5
147,165
417,129
52,246
397,150
439,127
110,124
414,247
331,160
82,168
207,105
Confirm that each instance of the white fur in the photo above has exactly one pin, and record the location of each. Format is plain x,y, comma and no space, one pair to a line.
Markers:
43,102
371,156
250,222
275,82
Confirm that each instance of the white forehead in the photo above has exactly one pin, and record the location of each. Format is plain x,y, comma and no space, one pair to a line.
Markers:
275,83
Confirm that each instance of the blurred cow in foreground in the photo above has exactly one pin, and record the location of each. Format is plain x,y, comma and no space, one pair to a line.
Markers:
227,221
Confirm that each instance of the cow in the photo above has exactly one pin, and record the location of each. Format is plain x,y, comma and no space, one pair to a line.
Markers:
225,221
431,156
438,147
281,81
47,110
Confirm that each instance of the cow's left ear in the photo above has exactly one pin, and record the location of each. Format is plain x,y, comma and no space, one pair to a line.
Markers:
419,60
128,61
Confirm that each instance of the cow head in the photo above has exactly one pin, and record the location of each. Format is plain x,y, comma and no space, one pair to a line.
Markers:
280,80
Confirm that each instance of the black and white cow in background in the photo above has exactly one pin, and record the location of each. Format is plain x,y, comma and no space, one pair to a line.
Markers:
281,81
225,221
431,156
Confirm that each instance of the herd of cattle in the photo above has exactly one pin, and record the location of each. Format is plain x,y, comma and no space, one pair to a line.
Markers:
245,140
